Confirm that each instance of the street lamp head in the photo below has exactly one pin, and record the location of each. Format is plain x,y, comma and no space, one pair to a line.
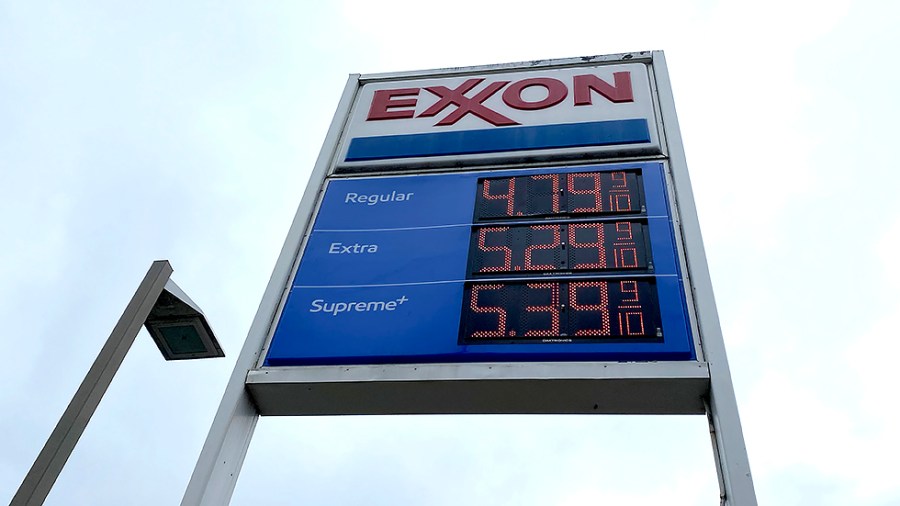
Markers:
179,328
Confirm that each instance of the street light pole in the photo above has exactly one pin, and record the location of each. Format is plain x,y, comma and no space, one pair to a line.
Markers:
46,468
179,329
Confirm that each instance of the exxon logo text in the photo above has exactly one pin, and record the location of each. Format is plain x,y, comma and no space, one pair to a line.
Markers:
401,103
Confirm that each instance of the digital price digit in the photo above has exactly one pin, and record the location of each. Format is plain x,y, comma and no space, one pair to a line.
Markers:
490,303
493,244
625,249
631,314
542,311
506,196
589,301
541,251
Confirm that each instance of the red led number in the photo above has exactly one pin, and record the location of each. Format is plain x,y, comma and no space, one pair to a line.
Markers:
594,190
529,266
631,314
596,314
509,196
619,194
499,311
507,253
624,247
554,181
553,309
595,232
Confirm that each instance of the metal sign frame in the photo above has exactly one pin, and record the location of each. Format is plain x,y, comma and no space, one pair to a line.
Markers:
689,387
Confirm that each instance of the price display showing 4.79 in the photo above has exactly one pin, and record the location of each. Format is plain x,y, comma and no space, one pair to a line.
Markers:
574,310
574,194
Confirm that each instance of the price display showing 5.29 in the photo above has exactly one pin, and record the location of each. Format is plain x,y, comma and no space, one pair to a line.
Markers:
548,195
551,247
574,310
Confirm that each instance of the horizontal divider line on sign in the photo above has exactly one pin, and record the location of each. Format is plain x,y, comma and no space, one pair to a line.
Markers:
561,278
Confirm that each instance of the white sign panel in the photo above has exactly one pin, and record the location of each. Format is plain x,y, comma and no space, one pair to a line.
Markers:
490,117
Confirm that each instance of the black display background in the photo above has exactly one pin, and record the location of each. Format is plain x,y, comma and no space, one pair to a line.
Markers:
586,292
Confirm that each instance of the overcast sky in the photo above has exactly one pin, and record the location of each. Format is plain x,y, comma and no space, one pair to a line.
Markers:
134,131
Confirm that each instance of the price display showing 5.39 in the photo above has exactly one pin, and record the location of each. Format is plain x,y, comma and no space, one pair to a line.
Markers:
579,193
551,247
574,310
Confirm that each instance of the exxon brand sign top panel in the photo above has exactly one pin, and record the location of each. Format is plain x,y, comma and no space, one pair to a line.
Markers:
487,118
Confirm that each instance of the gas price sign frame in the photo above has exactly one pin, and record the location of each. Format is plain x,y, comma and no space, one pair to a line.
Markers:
506,239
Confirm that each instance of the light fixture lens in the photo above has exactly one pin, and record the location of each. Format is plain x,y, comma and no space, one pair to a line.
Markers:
182,339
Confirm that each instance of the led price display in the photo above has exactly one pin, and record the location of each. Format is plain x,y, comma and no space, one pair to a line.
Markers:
540,228
573,310
550,247
579,193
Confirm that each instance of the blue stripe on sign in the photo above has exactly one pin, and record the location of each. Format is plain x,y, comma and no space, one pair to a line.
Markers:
467,142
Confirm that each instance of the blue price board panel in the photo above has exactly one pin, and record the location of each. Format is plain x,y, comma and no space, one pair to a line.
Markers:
552,264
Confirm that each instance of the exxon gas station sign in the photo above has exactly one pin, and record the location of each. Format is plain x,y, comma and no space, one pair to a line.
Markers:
507,239
488,118
410,260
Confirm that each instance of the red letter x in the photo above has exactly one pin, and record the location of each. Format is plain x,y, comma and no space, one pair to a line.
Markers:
465,105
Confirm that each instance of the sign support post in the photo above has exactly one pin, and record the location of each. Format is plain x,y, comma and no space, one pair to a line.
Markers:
219,464
732,463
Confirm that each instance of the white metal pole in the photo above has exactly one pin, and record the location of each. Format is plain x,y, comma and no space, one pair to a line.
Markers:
219,464
732,462
49,463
